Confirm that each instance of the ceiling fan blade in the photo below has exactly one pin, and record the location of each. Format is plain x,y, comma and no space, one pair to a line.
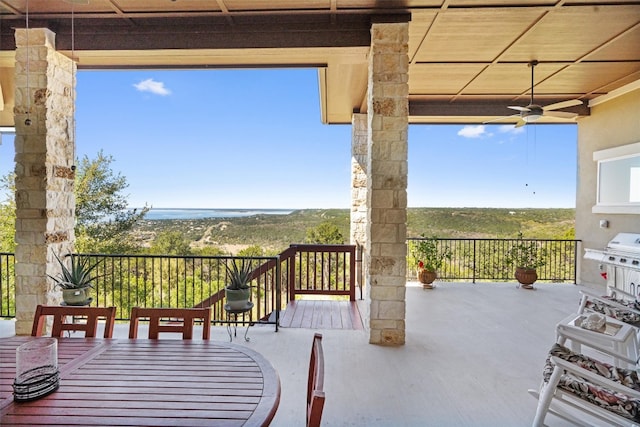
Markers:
560,114
520,123
500,118
516,107
563,104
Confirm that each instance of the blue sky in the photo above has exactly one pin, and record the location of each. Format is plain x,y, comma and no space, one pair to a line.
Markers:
253,139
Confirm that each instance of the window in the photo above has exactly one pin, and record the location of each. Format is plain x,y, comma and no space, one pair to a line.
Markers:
618,179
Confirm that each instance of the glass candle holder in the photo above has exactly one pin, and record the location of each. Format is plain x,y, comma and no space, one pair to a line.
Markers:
36,369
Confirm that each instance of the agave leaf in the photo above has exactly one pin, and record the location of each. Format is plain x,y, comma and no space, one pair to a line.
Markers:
78,275
239,276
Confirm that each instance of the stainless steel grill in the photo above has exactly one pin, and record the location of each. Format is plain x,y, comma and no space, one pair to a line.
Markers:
621,261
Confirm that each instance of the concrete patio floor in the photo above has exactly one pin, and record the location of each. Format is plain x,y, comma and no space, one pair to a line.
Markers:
471,353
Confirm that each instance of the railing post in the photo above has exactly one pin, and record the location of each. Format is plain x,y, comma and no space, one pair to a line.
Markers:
292,276
475,258
278,294
352,274
358,267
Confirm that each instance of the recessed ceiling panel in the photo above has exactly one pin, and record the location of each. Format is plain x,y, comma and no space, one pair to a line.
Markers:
247,5
132,6
441,78
570,2
569,33
57,6
420,23
482,3
478,35
381,4
623,48
587,77
509,79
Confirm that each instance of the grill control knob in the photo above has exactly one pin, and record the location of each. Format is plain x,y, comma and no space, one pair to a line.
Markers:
623,260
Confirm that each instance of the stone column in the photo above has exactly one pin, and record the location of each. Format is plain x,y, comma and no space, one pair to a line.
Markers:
388,110
44,144
358,226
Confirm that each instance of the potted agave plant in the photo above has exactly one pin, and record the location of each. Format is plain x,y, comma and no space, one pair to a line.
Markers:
430,259
238,289
77,279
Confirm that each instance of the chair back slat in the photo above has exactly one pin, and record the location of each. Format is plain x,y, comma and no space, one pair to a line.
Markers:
62,315
176,320
315,383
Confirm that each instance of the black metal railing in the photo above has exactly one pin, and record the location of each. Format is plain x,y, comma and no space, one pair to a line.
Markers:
478,260
7,285
127,281
195,281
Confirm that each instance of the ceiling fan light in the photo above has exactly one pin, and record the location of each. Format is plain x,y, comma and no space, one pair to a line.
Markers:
531,117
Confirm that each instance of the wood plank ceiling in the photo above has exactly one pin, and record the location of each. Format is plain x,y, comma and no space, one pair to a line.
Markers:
468,58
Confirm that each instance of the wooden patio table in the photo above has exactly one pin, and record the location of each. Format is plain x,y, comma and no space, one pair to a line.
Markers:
122,382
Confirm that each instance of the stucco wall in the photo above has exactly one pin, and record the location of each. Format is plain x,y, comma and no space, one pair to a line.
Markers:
611,124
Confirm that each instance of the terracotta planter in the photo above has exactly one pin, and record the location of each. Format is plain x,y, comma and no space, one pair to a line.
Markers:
427,278
526,277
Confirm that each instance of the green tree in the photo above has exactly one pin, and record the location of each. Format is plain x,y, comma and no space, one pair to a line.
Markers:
208,251
170,243
252,251
8,214
103,218
325,233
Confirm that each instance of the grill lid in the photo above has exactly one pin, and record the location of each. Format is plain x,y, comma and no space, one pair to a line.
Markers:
625,242
622,251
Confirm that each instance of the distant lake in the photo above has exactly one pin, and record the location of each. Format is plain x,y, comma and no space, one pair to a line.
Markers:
158,213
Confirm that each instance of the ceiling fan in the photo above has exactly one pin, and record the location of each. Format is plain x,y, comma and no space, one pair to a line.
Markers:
534,112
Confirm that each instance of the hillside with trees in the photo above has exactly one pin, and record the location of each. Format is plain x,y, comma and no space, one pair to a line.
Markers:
105,225
276,232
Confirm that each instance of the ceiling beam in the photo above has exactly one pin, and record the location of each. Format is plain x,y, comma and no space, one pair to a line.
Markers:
477,108
190,33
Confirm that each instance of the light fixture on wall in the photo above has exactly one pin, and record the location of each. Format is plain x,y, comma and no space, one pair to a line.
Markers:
27,121
72,125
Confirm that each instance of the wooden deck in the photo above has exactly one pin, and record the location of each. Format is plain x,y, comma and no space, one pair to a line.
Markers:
321,314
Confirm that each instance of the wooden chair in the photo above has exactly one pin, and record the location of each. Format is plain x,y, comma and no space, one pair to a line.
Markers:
315,384
181,321
61,315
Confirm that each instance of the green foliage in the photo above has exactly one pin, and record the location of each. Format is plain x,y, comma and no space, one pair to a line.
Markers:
526,254
8,214
251,251
102,214
428,255
79,275
489,222
275,233
170,243
208,251
239,274
325,233
272,232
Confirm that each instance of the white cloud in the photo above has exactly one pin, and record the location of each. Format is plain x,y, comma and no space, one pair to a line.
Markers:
473,132
152,86
510,129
